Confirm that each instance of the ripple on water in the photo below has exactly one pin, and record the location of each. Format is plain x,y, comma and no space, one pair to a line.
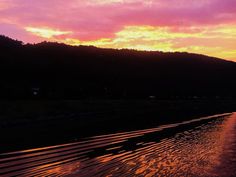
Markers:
206,149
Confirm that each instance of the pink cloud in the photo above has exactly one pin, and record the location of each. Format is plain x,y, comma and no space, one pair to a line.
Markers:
92,19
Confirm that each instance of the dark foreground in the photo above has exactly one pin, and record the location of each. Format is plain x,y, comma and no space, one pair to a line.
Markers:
201,147
31,124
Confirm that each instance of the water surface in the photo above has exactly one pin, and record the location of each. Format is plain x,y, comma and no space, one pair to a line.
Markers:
200,147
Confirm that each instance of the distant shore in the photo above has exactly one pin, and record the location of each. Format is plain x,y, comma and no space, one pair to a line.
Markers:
29,124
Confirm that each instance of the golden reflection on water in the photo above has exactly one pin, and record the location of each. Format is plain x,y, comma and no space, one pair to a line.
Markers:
190,153
198,150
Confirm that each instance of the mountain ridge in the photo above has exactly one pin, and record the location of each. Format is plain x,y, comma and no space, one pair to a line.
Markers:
54,70
48,43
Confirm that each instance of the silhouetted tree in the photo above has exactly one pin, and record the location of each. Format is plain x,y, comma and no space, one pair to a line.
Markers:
7,43
61,71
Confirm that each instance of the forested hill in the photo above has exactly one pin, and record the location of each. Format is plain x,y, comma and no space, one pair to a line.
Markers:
52,70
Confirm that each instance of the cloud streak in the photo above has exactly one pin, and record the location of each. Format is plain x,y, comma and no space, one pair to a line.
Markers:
111,23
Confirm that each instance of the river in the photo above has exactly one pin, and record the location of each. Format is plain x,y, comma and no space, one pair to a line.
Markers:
200,147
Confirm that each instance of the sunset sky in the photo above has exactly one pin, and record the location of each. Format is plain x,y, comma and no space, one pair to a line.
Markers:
199,26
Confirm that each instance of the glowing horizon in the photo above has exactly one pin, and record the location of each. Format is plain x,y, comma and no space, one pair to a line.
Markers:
199,26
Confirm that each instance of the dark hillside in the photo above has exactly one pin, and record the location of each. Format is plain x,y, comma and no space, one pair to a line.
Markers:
52,70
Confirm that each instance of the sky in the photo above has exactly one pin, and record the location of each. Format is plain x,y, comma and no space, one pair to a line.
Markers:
197,26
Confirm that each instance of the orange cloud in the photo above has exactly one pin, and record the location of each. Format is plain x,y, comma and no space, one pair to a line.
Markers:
214,41
203,26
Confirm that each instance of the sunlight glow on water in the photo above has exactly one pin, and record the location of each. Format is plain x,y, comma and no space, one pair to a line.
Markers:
203,147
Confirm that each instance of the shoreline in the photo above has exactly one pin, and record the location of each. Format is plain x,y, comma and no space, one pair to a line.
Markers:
45,123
